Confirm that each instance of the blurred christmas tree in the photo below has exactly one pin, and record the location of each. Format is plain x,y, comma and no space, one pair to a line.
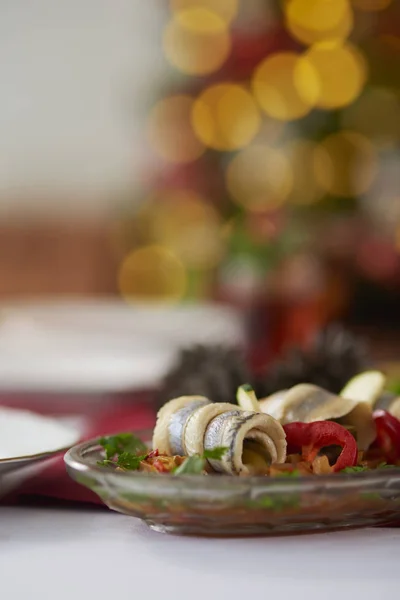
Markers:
277,135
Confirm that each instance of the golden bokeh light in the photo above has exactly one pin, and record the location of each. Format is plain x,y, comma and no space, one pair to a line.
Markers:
316,14
306,189
152,273
341,71
226,9
285,86
259,178
225,117
376,114
170,130
184,222
371,5
311,21
340,32
345,164
196,41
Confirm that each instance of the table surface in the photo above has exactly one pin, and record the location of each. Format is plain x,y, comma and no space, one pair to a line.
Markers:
60,554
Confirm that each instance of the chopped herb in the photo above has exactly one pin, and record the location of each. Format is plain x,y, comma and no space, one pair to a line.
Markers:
130,461
106,463
124,450
294,473
360,469
357,469
127,452
215,453
370,496
123,442
267,502
126,460
278,503
195,465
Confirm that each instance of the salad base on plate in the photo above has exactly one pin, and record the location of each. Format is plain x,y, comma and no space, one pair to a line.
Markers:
223,505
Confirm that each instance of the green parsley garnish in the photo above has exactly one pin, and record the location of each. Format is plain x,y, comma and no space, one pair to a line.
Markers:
360,469
130,461
122,442
370,496
357,469
195,465
294,473
124,450
127,452
215,453
279,503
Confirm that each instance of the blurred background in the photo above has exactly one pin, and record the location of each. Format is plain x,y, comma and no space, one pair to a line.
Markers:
202,153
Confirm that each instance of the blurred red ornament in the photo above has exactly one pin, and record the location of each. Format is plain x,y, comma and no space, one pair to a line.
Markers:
248,50
378,259
340,237
196,176
265,227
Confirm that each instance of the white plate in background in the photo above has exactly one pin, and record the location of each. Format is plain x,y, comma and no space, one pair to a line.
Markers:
27,440
95,346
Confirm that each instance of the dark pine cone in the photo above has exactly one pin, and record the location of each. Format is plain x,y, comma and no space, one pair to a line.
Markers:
333,358
212,371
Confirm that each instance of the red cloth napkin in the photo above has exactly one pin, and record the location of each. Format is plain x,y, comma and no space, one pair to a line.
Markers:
108,416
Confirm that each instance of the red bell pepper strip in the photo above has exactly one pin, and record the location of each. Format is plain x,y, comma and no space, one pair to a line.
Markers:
311,437
160,466
153,454
387,435
296,436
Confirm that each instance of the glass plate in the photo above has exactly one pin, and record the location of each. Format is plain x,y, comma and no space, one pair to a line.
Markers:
225,505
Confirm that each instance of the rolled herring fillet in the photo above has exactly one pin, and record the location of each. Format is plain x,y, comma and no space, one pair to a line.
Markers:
171,421
233,429
198,422
307,403
274,405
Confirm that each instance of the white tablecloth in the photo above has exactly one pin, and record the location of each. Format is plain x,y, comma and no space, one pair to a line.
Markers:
65,554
